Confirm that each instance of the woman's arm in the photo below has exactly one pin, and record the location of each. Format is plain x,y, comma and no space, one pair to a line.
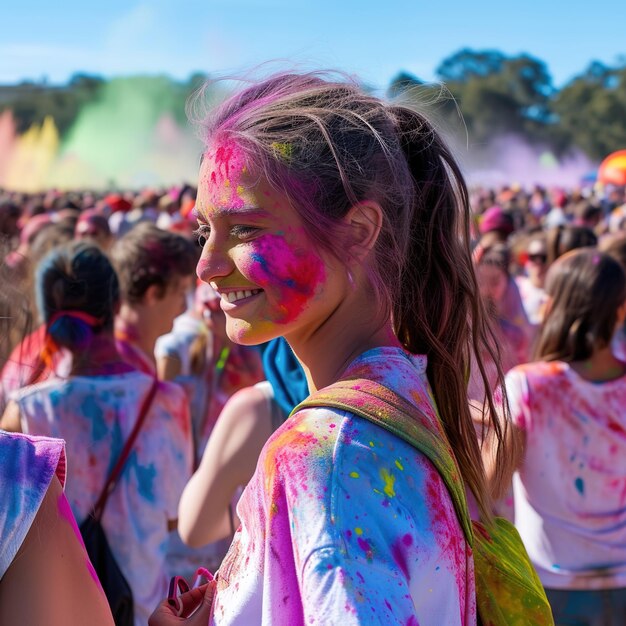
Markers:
168,367
229,461
513,446
51,580
10,420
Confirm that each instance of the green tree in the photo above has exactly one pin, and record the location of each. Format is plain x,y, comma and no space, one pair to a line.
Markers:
497,94
591,111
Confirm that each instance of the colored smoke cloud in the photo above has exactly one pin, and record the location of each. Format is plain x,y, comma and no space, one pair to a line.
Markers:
128,138
511,159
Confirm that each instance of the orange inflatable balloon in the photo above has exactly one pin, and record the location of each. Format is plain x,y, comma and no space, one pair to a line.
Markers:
613,169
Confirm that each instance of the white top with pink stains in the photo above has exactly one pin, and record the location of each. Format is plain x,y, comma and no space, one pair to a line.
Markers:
344,523
570,493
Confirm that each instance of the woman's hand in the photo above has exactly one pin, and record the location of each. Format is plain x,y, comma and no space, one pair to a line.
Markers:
195,608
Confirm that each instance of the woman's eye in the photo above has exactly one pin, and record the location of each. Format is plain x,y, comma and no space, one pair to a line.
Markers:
243,232
202,234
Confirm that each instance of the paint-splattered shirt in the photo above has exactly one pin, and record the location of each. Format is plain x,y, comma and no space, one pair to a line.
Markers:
95,416
27,467
344,523
570,492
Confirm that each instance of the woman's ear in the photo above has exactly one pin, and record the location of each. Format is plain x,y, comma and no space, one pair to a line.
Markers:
364,222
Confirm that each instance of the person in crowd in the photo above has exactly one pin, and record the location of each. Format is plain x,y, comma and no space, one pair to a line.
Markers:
569,414
24,365
94,226
492,272
531,284
318,205
563,238
94,410
496,226
10,214
198,355
615,246
155,269
249,417
37,530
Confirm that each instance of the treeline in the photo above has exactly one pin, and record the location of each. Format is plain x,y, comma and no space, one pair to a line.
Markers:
485,94
501,95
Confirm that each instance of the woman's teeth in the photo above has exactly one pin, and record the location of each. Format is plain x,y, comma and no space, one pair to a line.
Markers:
233,296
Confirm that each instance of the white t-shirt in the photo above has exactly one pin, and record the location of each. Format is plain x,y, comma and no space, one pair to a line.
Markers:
95,416
178,342
570,492
533,299
345,523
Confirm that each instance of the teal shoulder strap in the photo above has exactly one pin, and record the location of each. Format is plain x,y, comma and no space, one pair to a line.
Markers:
385,408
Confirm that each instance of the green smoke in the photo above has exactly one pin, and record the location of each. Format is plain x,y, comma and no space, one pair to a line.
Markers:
134,134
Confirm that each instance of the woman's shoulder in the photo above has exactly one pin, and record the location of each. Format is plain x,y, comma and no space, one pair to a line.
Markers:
27,466
22,453
328,440
539,372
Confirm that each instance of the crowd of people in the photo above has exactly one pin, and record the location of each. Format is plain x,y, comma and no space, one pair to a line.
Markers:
330,237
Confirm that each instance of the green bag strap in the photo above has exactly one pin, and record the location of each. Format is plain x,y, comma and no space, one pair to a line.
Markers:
385,408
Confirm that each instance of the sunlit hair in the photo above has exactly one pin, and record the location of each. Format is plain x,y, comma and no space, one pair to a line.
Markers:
327,145
586,288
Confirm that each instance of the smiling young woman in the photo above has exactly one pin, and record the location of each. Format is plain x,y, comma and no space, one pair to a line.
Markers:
341,223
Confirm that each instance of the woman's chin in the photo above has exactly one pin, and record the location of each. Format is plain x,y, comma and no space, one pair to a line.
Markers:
250,334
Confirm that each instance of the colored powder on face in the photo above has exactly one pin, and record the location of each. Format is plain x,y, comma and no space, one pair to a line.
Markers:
224,179
389,480
358,531
291,275
580,485
399,465
65,513
354,474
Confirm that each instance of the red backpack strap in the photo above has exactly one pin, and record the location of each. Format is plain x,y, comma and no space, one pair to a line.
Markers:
111,481
385,408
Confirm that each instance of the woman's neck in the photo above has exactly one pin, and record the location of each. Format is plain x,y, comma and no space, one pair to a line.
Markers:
352,329
100,359
601,366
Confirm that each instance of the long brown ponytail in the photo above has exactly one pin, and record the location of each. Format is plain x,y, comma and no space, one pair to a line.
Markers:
441,315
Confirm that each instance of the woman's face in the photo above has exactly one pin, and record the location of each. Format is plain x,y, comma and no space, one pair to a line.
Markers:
492,282
537,263
257,255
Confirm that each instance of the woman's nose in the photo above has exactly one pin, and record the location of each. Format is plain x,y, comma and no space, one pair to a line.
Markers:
213,263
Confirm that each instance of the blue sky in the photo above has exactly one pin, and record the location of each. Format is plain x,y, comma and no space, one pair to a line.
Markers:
371,39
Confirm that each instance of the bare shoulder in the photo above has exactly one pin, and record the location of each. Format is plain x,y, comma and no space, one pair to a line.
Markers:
72,596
